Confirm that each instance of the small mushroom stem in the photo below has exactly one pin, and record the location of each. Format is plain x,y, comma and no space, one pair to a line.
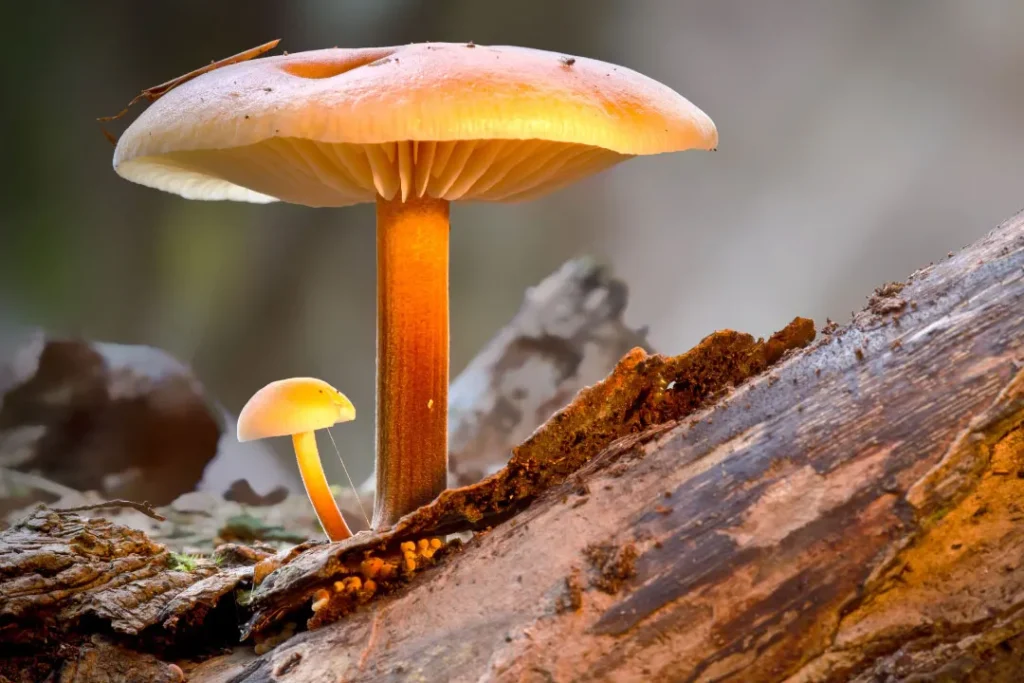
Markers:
412,355
319,492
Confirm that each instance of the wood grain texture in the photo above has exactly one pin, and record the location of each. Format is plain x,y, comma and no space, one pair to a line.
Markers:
65,579
854,514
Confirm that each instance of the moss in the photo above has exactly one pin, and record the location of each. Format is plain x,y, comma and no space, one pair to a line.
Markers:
184,562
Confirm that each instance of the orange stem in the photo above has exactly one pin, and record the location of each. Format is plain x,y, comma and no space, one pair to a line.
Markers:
412,355
319,492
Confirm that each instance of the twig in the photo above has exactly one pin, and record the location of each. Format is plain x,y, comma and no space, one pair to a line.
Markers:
144,508
157,91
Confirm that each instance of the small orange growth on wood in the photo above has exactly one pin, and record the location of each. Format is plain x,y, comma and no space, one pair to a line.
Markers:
372,576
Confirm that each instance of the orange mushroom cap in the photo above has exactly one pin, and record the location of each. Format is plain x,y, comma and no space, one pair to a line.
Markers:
448,121
293,406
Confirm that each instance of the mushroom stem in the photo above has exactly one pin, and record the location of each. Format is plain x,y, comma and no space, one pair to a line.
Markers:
412,355
317,489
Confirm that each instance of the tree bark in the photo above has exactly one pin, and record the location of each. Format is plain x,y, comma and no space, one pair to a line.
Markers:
854,514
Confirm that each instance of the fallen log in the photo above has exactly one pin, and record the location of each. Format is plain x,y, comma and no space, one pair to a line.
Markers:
642,393
857,513
67,583
743,511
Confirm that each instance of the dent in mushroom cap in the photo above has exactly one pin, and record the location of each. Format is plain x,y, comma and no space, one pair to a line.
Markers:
293,406
337,127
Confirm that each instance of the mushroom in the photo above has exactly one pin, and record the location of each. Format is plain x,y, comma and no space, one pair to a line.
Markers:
412,128
297,407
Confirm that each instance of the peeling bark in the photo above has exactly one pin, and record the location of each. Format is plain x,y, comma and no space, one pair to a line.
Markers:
854,514
64,579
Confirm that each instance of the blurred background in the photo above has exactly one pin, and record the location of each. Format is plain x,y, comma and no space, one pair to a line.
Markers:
860,139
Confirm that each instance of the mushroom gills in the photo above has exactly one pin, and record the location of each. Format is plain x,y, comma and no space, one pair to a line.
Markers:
342,174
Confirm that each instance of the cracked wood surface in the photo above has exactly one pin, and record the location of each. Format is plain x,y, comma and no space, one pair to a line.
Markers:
855,514
65,579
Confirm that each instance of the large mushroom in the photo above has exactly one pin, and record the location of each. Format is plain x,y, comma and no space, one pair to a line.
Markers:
412,128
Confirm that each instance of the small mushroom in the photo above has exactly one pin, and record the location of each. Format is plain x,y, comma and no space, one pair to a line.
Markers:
297,407
337,127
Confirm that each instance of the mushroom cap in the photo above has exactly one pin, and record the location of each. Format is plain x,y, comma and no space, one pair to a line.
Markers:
293,406
453,121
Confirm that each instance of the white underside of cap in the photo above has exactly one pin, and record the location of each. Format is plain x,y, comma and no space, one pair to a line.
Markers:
163,174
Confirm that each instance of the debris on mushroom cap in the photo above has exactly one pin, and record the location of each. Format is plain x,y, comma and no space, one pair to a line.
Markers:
293,406
157,91
344,126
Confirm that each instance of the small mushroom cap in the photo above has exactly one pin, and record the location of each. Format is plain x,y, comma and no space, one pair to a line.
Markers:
293,406
450,121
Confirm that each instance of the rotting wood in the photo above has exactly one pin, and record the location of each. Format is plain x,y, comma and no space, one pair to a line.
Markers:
65,578
854,514
99,659
567,335
134,590
643,392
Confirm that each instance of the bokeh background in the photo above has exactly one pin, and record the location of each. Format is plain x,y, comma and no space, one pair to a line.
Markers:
860,139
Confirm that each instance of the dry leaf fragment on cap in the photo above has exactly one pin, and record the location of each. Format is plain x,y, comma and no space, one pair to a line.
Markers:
157,91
